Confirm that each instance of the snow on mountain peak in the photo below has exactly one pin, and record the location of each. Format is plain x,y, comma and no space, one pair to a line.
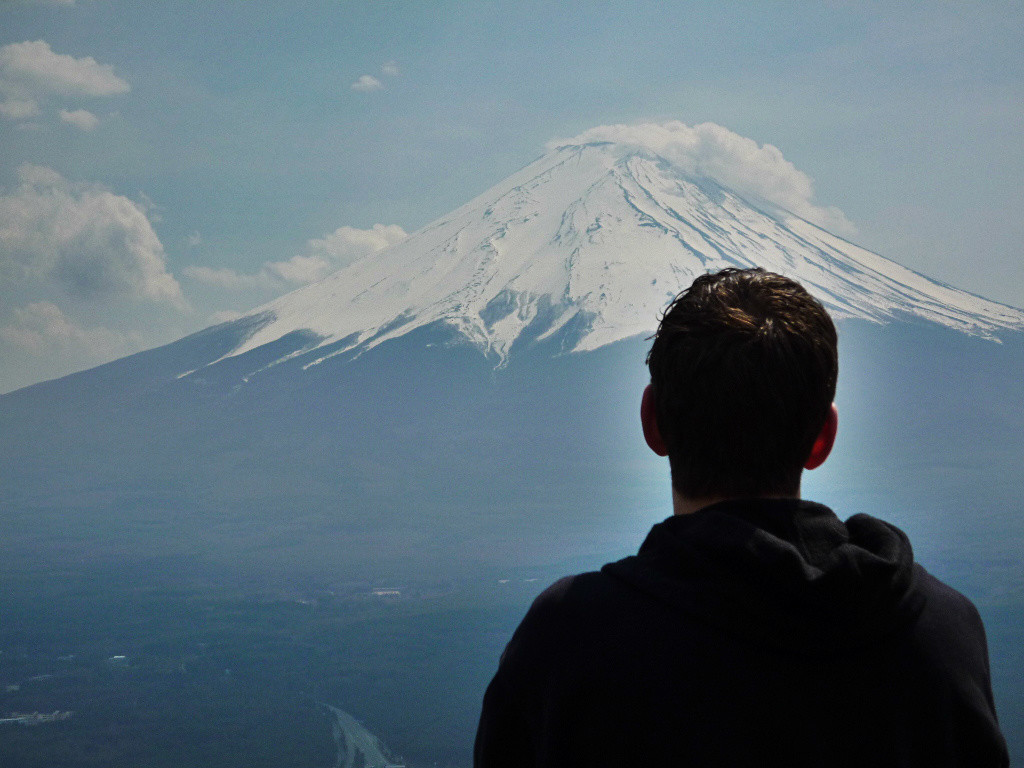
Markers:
592,239
710,151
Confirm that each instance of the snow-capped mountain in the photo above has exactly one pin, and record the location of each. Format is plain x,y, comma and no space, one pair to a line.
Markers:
296,426
293,446
590,241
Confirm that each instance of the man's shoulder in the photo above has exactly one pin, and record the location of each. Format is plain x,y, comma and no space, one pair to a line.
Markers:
572,608
949,621
941,595
576,596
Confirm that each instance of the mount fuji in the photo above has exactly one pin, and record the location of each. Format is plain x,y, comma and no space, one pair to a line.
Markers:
490,362
587,244
463,407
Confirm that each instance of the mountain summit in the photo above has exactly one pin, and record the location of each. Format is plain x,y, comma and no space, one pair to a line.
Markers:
586,245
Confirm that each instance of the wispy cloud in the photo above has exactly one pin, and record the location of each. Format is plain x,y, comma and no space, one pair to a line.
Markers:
19,109
42,328
348,244
223,277
82,119
31,73
323,256
367,83
390,69
734,161
82,238
299,270
34,67
226,315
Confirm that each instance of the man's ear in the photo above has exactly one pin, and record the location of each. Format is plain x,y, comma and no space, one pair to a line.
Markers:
825,440
649,420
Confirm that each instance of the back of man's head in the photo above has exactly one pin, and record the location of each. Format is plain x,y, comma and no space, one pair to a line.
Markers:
743,369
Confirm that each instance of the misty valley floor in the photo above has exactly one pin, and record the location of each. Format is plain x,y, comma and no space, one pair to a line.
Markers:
238,676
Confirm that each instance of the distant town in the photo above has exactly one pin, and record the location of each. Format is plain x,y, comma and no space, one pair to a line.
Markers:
36,718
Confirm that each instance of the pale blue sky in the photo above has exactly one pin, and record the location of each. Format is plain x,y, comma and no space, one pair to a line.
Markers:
225,136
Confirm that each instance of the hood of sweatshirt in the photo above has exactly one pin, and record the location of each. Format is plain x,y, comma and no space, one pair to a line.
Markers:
786,572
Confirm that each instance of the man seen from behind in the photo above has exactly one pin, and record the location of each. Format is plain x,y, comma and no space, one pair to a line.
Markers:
753,628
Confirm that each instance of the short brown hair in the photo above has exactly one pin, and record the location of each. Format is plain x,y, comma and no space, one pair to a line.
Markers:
744,367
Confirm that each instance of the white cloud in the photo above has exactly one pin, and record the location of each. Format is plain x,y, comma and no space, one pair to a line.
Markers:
367,83
91,242
40,176
32,67
223,277
226,315
19,109
30,73
80,118
42,328
299,269
347,244
323,256
734,161
390,68
340,248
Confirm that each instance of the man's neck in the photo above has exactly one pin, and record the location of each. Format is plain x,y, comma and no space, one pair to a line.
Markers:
686,505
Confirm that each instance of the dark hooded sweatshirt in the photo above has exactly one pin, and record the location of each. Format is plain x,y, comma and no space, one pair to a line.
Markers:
749,633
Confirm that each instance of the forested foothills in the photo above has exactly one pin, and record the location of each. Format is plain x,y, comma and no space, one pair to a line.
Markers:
237,676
